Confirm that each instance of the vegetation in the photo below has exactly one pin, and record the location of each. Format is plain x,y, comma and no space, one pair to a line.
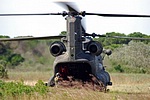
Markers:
30,64
6,54
113,43
26,55
18,89
128,56
131,58
125,87
3,70
1,36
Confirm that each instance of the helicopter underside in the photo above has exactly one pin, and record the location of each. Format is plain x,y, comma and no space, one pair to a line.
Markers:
77,75
78,70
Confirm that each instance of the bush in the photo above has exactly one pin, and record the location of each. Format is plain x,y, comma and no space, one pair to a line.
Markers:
6,54
18,89
3,70
118,68
40,87
134,55
15,59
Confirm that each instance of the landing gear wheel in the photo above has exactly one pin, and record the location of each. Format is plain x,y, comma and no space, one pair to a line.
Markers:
51,82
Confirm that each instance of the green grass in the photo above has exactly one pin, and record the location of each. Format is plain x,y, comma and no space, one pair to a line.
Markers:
80,94
125,87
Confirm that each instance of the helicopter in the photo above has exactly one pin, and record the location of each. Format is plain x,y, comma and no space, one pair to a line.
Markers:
77,54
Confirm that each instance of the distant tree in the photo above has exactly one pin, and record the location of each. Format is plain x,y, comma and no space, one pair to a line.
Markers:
117,42
112,42
137,34
15,59
63,33
1,36
7,55
140,35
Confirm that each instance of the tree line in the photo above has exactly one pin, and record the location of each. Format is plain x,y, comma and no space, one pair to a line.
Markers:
113,43
40,53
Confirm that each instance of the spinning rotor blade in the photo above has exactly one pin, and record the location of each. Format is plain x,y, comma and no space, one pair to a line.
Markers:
31,14
71,7
31,38
117,15
131,38
119,37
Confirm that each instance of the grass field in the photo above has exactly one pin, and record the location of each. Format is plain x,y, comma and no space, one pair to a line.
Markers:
125,87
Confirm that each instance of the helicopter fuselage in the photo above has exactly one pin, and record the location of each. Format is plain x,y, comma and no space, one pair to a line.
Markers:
78,56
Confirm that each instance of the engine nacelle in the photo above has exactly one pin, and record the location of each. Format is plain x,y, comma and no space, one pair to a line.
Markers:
57,48
95,48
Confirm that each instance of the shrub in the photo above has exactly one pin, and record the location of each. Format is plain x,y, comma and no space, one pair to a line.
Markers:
40,87
15,59
118,68
18,89
133,54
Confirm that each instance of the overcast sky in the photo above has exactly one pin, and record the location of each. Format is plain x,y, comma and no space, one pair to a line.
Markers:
52,25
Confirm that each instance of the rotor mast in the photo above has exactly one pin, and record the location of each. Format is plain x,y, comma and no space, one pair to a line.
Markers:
74,35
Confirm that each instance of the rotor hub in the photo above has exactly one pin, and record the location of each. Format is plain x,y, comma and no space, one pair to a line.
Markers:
73,13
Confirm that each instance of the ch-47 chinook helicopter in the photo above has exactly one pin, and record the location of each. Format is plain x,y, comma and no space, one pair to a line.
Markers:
77,54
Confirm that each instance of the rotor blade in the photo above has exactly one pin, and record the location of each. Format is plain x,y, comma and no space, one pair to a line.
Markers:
69,5
31,14
117,15
72,8
31,38
83,29
120,37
